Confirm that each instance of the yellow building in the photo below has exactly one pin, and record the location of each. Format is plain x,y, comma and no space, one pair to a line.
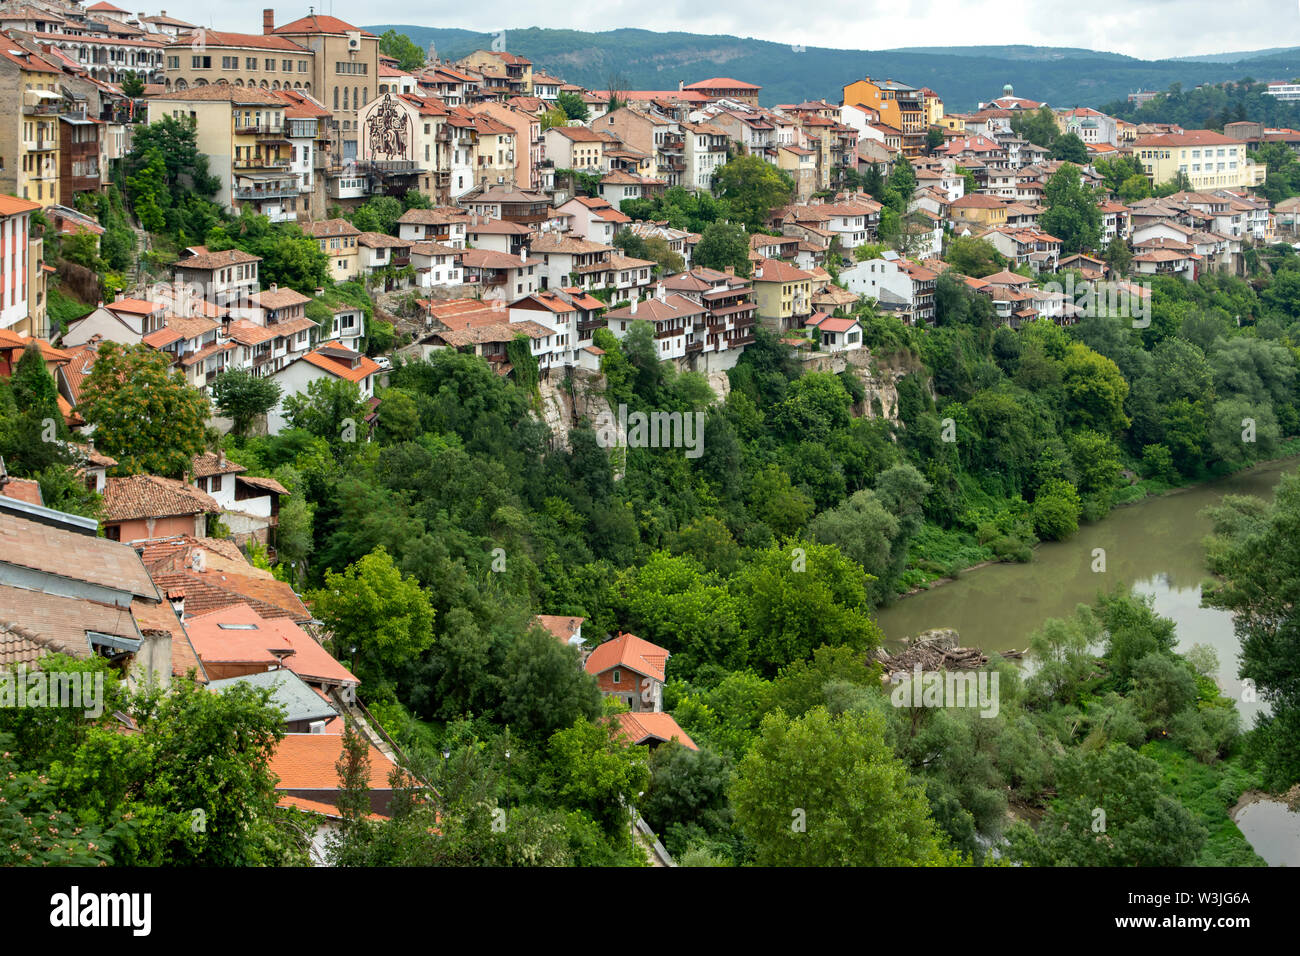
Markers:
337,238
783,294
980,209
954,122
1209,159
933,107
29,139
241,130
899,105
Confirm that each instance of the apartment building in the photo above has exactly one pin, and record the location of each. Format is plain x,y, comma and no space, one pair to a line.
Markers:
29,133
899,105
16,292
243,133
218,57
1210,160
344,69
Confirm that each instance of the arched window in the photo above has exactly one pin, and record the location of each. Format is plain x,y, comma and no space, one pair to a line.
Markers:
345,99
182,85
239,81
365,95
264,84
275,85
306,87
200,82
356,103
336,99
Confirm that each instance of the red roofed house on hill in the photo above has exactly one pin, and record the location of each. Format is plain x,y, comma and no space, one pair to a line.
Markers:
144,507
632,670
329,361
724,88
653,729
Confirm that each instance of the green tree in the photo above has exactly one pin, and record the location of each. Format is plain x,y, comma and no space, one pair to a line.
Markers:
331,408
1057,509
575,108
723,244
1095,390
1255,552
243,397
543,687
378,618
797,598
973,257
133,84
1072,214
823,791
590,767
403,49
1070,148
752,188
144,413
1112,809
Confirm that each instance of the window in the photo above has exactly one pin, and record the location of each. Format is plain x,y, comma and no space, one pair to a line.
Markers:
201,62
617,677
286,66
250,63
230,62
173,63
268,65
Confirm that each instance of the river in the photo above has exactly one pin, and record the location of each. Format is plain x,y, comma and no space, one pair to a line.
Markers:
1153,546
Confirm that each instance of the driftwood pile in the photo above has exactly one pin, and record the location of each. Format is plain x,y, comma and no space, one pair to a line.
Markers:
937,649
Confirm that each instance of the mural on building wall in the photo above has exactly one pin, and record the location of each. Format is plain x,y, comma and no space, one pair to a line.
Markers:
388,130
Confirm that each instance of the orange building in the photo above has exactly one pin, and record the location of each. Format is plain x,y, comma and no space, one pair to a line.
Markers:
899,105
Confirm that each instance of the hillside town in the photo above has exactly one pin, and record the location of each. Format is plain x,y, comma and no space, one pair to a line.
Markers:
261,234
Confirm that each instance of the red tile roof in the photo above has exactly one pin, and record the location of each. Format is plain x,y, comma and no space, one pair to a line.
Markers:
152,496
317,23
254,638
644,727
628,650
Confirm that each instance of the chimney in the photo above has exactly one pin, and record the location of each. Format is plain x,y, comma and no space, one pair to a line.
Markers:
634,301
268,21
730,270
274,286
661,292
523,253
177,598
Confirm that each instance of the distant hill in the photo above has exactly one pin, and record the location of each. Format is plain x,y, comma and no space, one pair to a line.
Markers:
1240,56
963,76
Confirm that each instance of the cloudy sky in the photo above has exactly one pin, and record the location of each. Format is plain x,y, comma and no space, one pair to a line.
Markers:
1144,28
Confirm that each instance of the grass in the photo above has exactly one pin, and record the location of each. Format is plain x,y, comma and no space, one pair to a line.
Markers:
63,309
1209,791
940,553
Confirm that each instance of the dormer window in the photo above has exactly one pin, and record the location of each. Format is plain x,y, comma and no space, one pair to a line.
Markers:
617,677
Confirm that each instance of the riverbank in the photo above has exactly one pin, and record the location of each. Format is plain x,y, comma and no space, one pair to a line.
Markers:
941,556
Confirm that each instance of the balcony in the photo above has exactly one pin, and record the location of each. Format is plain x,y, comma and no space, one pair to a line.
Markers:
270,192
259,162
259,129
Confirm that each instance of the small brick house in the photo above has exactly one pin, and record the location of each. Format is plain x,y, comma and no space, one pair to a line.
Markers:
632,670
